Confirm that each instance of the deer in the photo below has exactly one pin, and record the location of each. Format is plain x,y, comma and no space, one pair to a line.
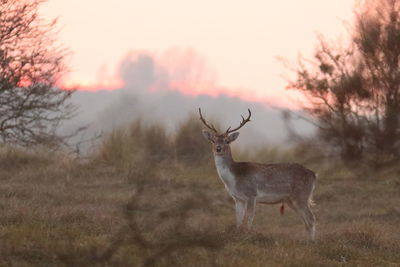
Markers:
249,183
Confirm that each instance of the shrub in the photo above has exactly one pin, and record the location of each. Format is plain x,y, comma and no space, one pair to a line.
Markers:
138,143
190,146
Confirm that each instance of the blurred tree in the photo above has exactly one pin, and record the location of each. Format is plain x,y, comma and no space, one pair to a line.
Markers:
354,92
31,62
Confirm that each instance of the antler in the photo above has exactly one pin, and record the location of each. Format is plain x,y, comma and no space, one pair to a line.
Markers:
211,127
244,121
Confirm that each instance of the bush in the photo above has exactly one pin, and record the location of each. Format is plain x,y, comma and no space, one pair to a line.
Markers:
138,143
190,146
151,144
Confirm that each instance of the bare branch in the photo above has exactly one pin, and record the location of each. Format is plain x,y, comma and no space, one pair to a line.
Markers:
31,62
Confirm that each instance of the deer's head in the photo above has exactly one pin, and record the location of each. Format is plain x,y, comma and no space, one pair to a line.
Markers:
221,141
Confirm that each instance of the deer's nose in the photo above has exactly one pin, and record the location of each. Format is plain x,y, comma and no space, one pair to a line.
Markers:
218,148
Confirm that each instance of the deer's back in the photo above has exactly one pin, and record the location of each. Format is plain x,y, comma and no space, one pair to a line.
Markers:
281,179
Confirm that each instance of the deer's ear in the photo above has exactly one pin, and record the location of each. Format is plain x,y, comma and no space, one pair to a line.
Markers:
209,136
232,137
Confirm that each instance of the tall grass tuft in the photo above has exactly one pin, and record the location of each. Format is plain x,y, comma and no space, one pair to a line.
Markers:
14,157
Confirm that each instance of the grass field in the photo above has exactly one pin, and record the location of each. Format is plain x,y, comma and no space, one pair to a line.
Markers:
135,210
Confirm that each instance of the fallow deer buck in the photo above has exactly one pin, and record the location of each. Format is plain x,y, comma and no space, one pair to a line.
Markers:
249,183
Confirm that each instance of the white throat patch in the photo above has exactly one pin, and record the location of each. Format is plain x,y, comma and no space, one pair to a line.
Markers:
225,173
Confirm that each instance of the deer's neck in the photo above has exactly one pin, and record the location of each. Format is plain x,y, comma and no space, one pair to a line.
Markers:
224,164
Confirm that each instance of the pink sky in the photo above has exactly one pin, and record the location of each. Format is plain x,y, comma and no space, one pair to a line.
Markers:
238,41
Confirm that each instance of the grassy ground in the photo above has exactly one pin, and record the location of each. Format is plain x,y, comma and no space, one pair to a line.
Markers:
56,211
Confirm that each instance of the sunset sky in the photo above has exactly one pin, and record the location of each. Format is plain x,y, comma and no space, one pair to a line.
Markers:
232,44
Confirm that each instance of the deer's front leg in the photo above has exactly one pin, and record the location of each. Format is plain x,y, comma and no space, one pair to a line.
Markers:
240,211
250,210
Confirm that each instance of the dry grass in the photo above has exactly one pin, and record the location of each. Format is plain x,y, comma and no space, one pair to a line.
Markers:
56,211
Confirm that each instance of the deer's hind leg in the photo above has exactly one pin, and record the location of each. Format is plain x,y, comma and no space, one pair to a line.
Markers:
303,209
